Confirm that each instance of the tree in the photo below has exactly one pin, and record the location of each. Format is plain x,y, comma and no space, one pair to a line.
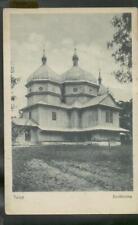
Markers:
14,81
121,46
126,116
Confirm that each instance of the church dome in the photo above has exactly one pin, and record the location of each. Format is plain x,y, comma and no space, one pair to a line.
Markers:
44,72
76,73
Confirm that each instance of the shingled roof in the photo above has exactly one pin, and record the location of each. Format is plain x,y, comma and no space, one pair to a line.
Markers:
93,102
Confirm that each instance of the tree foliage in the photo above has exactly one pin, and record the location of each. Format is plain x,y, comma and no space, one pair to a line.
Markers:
121,45
126,115
14,81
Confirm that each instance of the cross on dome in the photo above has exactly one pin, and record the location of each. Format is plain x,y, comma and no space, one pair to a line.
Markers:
99,78
44,58
75,58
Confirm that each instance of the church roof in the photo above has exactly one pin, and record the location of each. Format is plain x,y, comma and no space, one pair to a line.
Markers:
23,122
29,123
44,72
93,102
102,90
76,73
95,128
98,100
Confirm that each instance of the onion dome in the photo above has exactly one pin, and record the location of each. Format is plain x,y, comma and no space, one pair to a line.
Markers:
76,73
44,72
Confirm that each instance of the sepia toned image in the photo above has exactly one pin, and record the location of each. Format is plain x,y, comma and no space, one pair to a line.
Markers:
70,102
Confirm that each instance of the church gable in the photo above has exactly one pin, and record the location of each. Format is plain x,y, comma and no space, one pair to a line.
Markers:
109,101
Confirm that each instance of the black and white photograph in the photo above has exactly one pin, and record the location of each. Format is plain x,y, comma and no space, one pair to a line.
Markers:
71,102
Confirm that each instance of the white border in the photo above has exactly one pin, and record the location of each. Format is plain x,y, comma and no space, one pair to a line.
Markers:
67,202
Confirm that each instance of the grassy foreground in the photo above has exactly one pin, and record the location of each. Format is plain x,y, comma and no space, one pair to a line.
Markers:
72,168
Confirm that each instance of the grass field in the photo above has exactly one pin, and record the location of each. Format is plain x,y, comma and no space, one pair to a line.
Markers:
72,168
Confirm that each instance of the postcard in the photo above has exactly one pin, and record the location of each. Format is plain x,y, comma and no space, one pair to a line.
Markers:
70,110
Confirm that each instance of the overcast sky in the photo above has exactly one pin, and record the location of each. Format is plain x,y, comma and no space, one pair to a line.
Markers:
59,34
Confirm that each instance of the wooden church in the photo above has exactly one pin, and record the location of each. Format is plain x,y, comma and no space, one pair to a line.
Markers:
71,107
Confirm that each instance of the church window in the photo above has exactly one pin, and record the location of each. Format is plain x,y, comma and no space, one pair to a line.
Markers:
109,116
30,115
75,89
40,88
30,89
20,113
54,116
95,115
27,135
